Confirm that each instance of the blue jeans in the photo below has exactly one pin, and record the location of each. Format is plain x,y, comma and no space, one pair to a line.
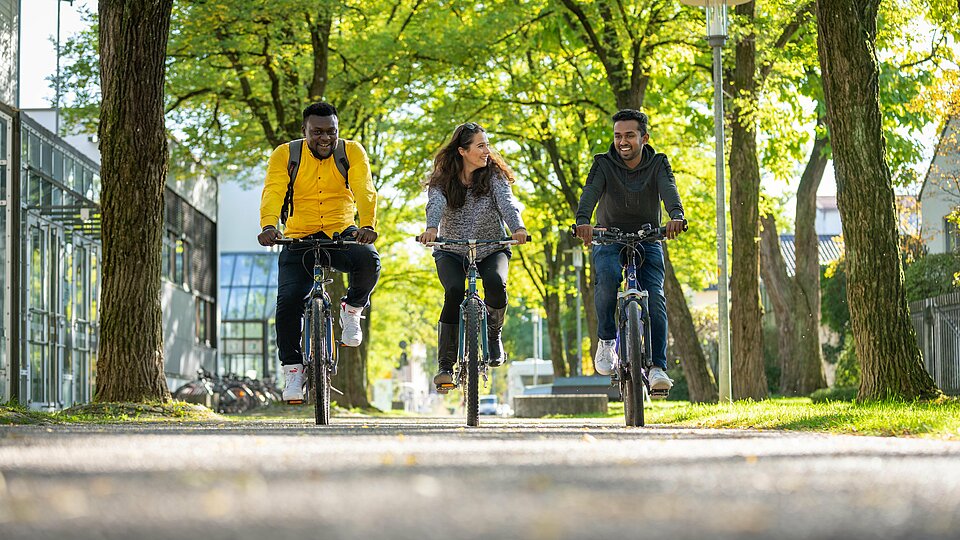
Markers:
361,261
608,274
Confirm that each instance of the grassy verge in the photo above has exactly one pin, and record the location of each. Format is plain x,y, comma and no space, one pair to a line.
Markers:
94,413
925,419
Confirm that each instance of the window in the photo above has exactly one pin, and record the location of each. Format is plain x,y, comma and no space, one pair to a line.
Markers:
203,323
952,235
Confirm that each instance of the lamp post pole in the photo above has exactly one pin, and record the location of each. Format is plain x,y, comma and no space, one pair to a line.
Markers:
577,256
56,91
723,306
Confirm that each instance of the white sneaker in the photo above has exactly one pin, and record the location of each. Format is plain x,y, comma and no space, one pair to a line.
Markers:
351,334
658,379
293,382
606,356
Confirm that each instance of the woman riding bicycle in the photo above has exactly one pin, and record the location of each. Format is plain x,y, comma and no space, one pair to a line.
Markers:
469,196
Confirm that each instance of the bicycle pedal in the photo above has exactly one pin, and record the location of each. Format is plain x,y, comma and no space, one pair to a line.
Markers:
659,394
294,402
444,388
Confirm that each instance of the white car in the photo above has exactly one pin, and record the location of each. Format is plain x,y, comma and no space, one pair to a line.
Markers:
488,404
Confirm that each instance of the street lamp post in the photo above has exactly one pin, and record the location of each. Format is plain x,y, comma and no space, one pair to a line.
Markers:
577,253
716,12
56,82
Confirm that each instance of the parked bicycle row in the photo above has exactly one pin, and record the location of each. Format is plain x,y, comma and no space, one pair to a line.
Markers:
228,394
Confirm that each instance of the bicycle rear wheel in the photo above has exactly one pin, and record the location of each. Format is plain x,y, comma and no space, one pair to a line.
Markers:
471,392
632,382
319,347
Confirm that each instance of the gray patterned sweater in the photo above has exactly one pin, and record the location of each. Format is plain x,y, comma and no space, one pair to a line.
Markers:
479,217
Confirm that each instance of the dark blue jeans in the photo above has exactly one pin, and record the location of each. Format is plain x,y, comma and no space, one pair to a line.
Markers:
361,262
608,274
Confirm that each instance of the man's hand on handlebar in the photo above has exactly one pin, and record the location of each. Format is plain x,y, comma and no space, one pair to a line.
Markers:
585,233
675,227
268,236
366,235
428,235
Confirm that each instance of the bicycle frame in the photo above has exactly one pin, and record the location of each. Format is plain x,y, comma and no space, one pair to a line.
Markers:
471,293
633,292
319,291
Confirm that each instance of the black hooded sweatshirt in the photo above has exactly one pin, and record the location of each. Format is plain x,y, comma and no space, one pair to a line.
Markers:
629,198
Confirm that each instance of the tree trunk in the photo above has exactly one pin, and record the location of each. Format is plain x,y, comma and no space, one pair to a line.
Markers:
749,376
700,381
779,287
890,363
133,146
805,373
554,322
796,300
351,377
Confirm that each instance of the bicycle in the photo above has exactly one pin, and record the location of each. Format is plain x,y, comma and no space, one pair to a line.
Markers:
320,360
633,328
472,349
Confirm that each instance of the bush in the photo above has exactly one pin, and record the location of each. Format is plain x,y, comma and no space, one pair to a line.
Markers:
931,276
848,370
837,393
834,311
771,354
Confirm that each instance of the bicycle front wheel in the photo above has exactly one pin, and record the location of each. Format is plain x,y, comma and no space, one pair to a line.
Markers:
632,381
319,347
471,392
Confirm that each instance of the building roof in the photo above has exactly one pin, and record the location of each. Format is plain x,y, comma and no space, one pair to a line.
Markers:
248,286
831,249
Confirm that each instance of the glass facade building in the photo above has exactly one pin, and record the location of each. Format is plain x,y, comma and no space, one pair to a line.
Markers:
51,261
248,304
50,254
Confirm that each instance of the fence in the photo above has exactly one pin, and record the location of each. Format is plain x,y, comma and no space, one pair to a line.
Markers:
937,324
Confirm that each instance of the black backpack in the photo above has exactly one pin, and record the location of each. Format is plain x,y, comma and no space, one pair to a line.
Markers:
293,166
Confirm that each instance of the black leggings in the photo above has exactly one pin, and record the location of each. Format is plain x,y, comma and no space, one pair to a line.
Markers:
452,269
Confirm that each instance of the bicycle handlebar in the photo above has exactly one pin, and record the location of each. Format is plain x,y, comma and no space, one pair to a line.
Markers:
612,234
336,241
441,241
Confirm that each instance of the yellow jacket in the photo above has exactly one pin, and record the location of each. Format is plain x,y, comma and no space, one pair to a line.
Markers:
321,200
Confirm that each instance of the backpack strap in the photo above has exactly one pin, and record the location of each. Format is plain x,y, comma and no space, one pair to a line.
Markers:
341,161
293,166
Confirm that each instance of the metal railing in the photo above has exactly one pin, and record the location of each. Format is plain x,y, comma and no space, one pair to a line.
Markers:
937,324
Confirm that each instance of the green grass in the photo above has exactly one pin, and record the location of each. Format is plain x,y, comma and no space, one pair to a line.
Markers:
105,413
924,419
921,419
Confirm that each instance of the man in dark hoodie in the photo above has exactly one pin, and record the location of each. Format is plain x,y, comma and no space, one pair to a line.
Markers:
628,182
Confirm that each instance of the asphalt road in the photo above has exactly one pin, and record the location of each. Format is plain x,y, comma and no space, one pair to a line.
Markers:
432,478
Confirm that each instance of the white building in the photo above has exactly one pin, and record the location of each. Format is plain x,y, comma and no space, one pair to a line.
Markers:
940,192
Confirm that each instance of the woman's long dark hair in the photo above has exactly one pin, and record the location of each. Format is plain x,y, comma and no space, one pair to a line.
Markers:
448,165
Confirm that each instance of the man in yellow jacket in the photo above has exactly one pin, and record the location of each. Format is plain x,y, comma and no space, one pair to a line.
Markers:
323,203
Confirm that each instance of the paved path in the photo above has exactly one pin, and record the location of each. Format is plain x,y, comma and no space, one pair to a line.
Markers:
432,478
